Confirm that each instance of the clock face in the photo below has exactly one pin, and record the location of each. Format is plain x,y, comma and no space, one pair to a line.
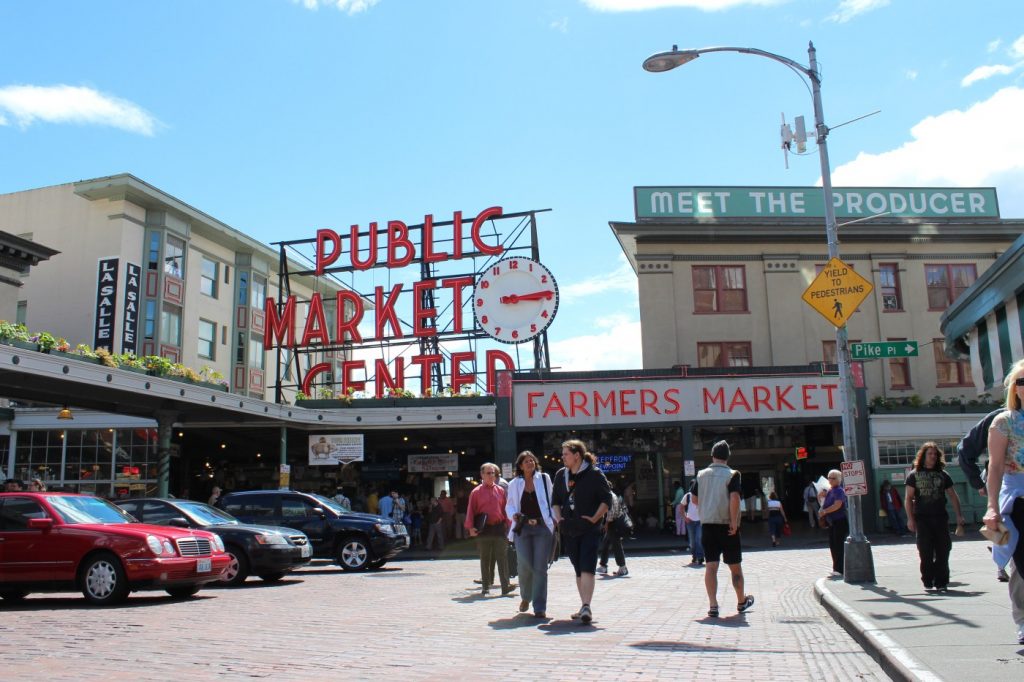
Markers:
515,300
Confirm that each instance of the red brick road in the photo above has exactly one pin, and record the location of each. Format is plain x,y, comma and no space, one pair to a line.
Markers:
422,620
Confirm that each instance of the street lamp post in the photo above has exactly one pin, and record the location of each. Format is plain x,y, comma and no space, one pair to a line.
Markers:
858,564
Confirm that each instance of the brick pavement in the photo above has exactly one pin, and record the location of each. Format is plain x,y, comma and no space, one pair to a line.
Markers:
422,620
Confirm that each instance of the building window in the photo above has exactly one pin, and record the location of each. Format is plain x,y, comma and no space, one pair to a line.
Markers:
153,259
21,314
240,349
170,325
207,339
256,356
950,372
208,277
889,277
243,287
899,371
719,289
724,354
902,452
174,257
259,291
946,282
150,323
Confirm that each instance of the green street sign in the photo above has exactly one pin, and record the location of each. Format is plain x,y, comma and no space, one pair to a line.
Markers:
883,349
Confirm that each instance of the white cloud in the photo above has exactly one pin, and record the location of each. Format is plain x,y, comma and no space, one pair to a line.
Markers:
560,25
979,146
848,9
622,279
349,6
994,45
27,104
641,5
984,72
616,345
1017,49
911,74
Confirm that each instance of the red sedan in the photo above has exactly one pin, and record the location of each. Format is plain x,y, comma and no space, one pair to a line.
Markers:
60,541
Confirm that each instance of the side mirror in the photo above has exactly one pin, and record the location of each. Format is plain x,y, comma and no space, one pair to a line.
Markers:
319,512
178,522
44,524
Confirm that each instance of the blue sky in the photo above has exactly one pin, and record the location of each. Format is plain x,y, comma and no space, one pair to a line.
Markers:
279,116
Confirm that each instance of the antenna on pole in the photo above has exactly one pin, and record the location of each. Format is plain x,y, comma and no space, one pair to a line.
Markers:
795,142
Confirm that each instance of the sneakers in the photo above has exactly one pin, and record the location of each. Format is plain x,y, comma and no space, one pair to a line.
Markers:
746,604
1020,634
1001,576
602,569
622,572
524,605
585,615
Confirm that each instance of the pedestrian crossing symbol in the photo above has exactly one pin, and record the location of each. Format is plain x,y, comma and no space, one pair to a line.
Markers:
836,292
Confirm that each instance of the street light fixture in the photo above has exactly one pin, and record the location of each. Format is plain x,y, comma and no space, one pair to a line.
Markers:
858,564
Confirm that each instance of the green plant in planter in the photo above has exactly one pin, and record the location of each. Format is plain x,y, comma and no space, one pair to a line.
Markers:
84,350
181,371
159,366
212,376
881,402
11,331
129,360
62,345
301,396
46,341
914,401
325,394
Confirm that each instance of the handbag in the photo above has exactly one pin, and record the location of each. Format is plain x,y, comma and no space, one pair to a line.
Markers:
823,522
786,530
999,536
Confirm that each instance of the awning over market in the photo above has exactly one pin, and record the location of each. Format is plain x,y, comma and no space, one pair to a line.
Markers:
986,322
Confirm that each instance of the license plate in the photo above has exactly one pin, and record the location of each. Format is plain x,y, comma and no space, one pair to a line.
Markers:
306,551
203,566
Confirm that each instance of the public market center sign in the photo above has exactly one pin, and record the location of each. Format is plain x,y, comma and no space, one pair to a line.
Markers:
661,203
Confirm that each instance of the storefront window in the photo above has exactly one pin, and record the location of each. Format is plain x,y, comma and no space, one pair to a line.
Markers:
38,455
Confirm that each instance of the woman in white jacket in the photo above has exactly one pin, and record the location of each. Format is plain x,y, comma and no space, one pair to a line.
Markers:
533,527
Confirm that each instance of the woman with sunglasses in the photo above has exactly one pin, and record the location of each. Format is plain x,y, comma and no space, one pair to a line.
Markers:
833,509
1005,487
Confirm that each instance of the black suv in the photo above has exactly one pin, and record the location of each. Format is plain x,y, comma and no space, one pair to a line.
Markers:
355,541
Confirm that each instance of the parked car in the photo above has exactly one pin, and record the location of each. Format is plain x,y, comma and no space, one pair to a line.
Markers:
266,551
59,541
355,541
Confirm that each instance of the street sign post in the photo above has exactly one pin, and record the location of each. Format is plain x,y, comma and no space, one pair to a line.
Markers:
855,480
881,350
836,292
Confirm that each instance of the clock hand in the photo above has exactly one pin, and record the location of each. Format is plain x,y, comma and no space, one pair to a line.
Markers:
535,296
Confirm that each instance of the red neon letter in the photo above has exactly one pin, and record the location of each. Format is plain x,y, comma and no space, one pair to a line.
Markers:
385,312
323,259
316,323
670,397
307,382
457,235
531,402
371,256
457,284
382,377
493,358
806,391
428,242
279,327
716,399
460,378
420,315
426,362
346,330
762,396
478,222
398,236
346,375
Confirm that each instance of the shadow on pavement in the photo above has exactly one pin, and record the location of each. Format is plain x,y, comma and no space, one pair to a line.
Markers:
256,584
568,627
79,603
520,620
924,603
734,621
686,647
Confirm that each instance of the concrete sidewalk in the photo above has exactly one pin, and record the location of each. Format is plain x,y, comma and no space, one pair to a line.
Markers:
964,634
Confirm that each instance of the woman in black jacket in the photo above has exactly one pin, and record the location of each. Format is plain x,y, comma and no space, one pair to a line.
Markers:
581,499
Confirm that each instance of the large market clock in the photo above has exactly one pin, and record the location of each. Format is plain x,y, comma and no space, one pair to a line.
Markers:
515,300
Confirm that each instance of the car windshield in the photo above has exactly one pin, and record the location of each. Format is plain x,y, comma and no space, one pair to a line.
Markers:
329,503
205,515
81,509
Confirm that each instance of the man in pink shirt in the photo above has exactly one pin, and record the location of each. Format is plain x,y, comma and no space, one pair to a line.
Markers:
486,521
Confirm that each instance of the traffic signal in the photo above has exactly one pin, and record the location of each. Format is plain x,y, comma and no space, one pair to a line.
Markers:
801,453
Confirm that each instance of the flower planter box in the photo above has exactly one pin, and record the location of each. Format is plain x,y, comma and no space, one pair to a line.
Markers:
136,370
327,404
24,345
77,357
322,404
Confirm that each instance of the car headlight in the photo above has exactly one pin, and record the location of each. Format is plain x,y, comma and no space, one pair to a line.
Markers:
218,543
168,547
154,544
386,529
271,539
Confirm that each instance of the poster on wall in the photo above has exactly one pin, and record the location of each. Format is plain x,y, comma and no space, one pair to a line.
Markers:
426,464
130,311
106,304
334,449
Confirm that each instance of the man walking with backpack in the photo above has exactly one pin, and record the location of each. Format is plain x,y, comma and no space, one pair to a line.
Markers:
717,491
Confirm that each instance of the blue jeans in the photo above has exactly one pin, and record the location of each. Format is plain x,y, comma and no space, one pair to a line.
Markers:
696,548
898,521
533,547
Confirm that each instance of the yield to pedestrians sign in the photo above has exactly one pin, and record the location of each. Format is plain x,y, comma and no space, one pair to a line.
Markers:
836,292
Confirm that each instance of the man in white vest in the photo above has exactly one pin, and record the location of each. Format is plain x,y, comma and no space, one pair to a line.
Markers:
717,490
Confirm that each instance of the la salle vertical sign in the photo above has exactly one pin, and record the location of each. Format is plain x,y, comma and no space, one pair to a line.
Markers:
130,312
106,303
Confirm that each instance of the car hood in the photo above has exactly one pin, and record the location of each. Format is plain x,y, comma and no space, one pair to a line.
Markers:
253,528
374,518
141,530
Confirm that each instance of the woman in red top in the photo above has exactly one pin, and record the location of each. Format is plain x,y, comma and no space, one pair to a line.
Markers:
486,521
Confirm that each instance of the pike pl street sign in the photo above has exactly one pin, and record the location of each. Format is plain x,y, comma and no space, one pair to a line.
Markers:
883,349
